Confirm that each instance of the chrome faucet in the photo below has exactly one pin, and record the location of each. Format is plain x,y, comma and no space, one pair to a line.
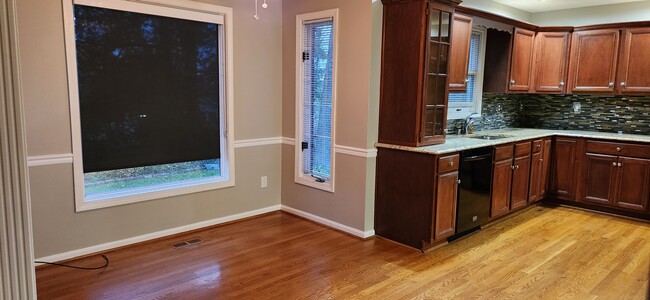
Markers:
469,121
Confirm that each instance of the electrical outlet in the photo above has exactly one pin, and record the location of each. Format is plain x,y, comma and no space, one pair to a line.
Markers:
577,107
264,182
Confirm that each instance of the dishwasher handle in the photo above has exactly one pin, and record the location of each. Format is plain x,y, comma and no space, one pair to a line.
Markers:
477,157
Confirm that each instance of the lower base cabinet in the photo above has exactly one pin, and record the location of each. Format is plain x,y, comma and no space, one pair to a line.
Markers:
416,197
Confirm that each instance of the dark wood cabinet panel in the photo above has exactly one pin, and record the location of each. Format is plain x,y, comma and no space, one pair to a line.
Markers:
446,199
634,62
520,181
534,192
522,60
550,63
415,66
563,176
501,186
546,167
593,61
633,184
459,57
600,178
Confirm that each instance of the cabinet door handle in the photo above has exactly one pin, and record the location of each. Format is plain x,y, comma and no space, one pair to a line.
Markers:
561,83
611,84
622,83
451,163
458,181
614,164
618,149
541,160
466,80
619,165
512,81
513,167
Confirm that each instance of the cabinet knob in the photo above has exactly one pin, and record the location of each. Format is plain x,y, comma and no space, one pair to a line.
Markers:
614,164
451,163
466,80
620,164
561,83
541,160
623,83
512,81
618,149
513,167
611,84
458,181
517,167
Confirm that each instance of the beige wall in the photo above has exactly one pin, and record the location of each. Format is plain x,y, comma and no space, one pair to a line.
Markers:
498,8
258,109
623,12
350,202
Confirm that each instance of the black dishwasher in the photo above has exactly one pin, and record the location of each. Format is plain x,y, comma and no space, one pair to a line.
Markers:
473,209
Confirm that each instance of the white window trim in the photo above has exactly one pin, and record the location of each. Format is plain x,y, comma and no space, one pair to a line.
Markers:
214,13
299,177
478,90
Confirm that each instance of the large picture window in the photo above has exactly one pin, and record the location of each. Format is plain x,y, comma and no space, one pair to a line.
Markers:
316,95
148,87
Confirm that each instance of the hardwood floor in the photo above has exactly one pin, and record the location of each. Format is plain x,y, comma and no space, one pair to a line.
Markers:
543,252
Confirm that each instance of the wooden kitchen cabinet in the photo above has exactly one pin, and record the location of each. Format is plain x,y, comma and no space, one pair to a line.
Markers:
501,186
522,60
416,197
520,175
634,61
593,61
550,62
415,68
564,168
611,179
459,57
540,165
446,200
510,178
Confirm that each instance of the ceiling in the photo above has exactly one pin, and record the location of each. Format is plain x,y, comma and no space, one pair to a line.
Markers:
536,6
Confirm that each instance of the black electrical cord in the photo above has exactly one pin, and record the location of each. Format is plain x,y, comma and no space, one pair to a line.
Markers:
75,267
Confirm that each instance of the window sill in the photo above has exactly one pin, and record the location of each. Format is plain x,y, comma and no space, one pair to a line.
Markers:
327,186
111,199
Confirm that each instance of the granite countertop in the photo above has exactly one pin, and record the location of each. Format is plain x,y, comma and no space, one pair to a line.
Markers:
455,143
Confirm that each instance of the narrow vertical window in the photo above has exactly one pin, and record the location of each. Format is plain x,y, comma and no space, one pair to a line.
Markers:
315,99
462,104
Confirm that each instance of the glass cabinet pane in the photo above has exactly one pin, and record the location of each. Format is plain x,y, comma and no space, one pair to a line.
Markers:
443,54
439,118
433,57
434,25
444,27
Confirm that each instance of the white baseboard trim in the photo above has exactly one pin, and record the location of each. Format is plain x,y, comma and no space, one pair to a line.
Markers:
329,223
155,235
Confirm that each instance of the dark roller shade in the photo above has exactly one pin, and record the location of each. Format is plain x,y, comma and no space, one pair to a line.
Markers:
148,89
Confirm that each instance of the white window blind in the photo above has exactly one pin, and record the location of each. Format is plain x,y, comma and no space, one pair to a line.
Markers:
462,104
317,56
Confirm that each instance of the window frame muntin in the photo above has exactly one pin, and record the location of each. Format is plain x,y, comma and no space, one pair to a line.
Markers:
299,177
222,16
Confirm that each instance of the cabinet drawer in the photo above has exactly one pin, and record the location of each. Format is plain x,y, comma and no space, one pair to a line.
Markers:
503,152
448,163
537,145
523,149
615,148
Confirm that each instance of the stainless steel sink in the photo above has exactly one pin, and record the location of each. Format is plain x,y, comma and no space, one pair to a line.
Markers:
491,136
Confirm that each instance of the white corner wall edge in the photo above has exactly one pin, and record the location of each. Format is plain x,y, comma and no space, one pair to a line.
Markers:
329,223
155,235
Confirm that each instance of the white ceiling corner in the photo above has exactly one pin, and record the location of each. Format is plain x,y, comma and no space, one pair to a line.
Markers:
537,6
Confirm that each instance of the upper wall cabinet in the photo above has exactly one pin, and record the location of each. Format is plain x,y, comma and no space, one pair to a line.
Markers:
459,58
634,63
551,58
522,60
414,74
592,65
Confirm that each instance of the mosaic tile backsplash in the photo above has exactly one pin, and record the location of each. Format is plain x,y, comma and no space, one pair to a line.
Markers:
628,114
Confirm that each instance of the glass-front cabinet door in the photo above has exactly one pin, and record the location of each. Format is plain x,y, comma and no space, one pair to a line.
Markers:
434,116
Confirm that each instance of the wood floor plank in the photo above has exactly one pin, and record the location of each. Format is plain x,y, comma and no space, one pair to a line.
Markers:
543,253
